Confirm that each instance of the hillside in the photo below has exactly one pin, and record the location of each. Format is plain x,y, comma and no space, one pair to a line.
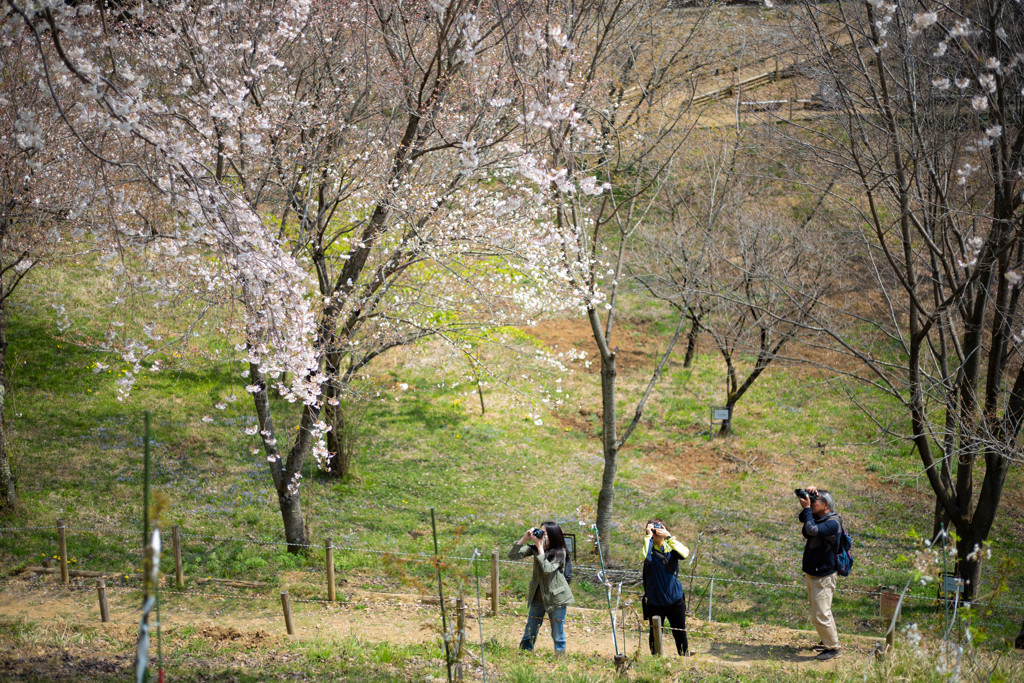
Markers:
487,476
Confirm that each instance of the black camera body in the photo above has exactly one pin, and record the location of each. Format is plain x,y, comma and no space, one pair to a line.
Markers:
538,533
800,493
655,525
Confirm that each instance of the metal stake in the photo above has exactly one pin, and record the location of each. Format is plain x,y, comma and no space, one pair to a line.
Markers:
440,595
711,595
607,591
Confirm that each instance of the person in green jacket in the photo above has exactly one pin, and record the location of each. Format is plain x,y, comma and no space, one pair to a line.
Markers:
549,590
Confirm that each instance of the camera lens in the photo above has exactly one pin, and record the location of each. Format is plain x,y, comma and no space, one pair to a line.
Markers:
538,533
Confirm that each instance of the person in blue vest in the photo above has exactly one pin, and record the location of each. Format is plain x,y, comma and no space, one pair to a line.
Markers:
663,594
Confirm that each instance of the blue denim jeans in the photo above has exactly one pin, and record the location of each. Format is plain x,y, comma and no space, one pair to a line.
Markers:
557,619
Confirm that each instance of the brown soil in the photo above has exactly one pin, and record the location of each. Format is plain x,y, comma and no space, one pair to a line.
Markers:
635,345
693,463
71,654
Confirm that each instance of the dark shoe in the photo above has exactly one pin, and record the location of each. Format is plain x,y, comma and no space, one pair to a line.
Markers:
827,654
820,647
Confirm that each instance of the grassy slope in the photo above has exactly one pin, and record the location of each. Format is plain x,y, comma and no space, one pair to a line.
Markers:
78,452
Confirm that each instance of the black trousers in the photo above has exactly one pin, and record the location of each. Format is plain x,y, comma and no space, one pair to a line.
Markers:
676,616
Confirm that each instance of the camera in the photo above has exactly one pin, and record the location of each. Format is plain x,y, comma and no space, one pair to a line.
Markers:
538,533
800,493
655,525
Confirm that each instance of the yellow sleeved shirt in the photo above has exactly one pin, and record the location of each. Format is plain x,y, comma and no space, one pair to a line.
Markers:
671,543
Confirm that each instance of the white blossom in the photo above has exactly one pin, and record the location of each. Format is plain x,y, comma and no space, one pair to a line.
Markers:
589,186
922,20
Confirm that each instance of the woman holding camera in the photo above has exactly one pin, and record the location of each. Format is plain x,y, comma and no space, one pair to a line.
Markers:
549,590
663,594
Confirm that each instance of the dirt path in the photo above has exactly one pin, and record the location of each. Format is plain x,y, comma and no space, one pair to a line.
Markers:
253,623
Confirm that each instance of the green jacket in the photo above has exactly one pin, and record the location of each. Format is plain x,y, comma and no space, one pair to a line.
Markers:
554,589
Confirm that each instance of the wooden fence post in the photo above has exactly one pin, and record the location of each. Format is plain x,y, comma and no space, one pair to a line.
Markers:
890,636
63,545
287,605
101,591
179,575
494,583
330,570
656,630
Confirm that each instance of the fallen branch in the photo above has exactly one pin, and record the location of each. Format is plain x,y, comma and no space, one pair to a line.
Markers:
80,573
234,583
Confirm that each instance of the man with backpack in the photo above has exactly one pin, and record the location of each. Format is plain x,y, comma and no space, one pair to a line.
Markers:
823,530
663,594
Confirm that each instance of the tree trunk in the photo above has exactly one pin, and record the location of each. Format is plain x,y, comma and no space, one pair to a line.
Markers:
609,442
1019,643
691,343
8,490
968,564
940,519
339,443
294,528
284,471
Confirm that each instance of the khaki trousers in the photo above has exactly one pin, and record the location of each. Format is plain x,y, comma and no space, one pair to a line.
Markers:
819,592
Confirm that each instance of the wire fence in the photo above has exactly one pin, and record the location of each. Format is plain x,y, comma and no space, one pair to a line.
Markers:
626,630
703,583
710,597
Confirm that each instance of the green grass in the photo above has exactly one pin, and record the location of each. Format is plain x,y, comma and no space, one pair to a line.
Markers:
78,453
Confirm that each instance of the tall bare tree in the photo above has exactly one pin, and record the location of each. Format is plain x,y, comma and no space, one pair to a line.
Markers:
604,133
736,260
929,154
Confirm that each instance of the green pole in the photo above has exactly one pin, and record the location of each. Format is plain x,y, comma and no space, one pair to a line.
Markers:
146,558
145,500
440,594
156,588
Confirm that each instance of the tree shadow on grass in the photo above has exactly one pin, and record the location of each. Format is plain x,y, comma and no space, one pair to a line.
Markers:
427,416
742,652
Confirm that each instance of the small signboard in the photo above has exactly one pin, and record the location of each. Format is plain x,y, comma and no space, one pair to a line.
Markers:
951,583
570,541
721,415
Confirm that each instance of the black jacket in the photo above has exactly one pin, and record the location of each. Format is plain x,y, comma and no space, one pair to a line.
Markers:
820,549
